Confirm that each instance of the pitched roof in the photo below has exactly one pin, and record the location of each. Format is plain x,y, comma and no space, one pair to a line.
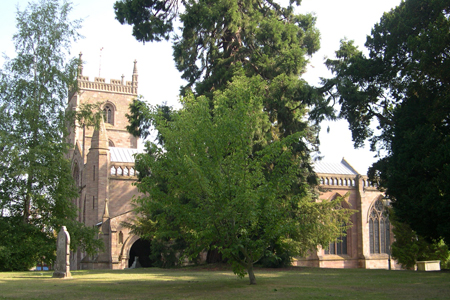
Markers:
343,168
123,154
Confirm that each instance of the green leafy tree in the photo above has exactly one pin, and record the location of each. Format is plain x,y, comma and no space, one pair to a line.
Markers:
209,187
36,186
408,247
403,86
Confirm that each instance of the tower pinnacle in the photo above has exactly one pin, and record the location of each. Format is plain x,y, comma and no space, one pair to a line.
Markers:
134,78
135,68
80,65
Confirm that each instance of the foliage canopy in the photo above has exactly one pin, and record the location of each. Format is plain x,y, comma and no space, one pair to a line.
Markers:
403,85
36,184
408,247
218,40
208,186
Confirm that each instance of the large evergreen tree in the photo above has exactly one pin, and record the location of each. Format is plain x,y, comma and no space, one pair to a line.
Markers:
403,84
36,184
221,38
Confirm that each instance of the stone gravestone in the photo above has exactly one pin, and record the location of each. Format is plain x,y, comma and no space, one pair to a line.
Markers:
62,264
136,263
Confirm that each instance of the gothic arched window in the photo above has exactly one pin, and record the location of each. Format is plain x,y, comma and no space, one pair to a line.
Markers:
379,229
339,246
109,114
76,174
120,237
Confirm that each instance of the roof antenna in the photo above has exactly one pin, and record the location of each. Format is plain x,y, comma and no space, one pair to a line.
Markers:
100,64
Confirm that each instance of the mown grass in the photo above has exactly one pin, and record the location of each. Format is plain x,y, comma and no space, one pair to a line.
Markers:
221,283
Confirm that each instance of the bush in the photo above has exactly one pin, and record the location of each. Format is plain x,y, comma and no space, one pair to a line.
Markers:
276,257
409,247
22,245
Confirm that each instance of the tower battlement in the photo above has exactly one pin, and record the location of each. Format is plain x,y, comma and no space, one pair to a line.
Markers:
114,86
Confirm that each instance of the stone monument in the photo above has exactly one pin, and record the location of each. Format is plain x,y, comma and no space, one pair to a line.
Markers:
62,264
136,263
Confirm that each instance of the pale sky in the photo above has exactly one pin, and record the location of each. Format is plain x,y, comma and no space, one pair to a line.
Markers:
159,80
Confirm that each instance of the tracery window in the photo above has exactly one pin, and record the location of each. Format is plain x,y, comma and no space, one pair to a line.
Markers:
379,229
109,114
339,246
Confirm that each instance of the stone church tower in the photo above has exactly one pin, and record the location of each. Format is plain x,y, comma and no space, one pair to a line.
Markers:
103,168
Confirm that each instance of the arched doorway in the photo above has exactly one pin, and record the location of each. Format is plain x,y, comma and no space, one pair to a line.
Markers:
141,249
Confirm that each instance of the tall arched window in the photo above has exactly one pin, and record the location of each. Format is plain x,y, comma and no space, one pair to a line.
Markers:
379,228
76,174
109,113
339,246
120,237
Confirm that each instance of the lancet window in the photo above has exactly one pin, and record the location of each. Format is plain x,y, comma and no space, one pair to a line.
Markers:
379,229
109,114
76,174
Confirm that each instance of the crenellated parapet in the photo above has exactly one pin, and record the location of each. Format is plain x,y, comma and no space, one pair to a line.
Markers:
99,84
114,86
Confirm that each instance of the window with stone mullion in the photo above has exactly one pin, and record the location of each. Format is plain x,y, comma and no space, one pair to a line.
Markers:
339,246
379,229
108,113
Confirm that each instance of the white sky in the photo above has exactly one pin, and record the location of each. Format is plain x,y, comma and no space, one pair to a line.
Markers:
159,81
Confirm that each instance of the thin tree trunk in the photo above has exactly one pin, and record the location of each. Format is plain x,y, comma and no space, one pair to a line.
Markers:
249,263
27,202
251,274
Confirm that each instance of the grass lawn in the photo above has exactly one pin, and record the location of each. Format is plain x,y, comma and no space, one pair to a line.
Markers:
221,283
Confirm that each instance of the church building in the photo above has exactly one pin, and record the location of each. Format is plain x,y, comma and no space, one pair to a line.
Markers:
104,171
